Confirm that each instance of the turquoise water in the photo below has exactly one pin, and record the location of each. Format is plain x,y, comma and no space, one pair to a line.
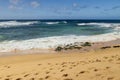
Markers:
23,30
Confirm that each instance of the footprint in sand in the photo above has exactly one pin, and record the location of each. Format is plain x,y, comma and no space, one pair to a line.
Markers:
70,67
62,70
68,79
81,72
105,57
47,72
118,63
98,74
7,79
36,73
56,64
47,77
32,78
97,60
74,65
63,63
118,59
78,63
39,64
54,73
92,61
65,75
107,67
110,78
26,75
72,62
49,63
7,66
64,66
19,79
77,75
84,62
110,60
40,79
91,68
95,70
51,69
8,75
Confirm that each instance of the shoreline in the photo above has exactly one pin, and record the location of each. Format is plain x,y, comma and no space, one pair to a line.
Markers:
94,46
54,41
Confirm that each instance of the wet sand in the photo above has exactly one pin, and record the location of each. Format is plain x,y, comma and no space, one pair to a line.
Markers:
102,64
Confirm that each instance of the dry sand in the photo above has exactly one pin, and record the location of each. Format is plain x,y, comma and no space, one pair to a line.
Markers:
93,65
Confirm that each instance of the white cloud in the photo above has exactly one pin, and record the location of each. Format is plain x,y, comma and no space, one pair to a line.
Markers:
14,7
15,2
35,4
75,4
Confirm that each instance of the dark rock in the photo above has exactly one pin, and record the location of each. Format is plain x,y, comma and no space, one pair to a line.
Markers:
116,46
106,47
86,44
59,48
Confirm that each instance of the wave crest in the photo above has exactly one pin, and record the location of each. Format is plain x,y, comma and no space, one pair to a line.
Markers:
6,24
52,22
100,24
115,26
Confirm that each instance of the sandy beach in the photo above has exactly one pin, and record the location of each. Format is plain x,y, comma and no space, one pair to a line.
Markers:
103,64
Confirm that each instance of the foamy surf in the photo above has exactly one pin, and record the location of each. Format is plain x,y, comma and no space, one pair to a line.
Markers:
58,22
100,24
6,24
52,23
52,42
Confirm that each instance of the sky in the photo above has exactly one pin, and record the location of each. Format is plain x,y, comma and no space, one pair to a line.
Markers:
59,9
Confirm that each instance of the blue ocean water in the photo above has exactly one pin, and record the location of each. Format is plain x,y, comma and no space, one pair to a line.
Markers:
25,29
53,31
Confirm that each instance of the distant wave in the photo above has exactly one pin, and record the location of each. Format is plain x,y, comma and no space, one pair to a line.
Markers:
65,22
99,24
116,26
52,22
6,24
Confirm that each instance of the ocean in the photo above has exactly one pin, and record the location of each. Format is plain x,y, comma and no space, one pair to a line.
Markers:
46,34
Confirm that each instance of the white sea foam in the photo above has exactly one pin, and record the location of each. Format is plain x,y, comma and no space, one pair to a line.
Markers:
115,26
52,42
52,22
65,22
99,24
15,23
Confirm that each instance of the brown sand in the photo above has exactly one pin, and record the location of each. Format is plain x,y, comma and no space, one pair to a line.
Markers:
93,65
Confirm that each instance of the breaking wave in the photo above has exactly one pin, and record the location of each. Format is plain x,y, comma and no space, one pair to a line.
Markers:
6,24
52,42
52,23
100,24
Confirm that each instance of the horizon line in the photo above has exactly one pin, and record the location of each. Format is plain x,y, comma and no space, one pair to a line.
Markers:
59,19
